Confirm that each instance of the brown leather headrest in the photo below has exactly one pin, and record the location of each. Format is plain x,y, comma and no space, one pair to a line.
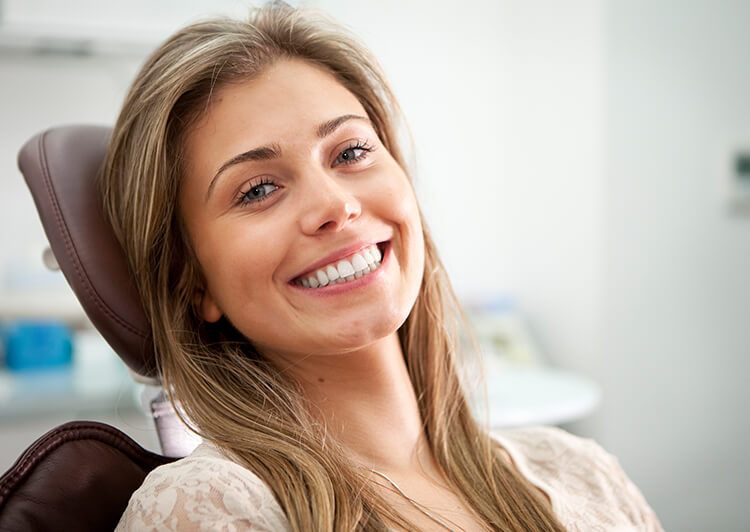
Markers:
61,166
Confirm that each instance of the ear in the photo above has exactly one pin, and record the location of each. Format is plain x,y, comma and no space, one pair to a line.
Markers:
206,306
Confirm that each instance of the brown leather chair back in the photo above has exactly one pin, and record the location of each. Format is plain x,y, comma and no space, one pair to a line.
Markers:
79,476
61,166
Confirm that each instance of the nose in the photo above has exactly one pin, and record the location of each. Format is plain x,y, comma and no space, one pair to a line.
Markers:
328,204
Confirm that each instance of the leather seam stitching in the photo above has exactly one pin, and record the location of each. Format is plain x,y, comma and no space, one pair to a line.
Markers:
72,252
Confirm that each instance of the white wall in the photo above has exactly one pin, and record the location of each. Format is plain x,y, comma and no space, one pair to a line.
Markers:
676,296
37,92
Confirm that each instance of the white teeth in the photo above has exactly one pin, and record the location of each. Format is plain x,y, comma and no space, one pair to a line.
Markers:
332,273
361,263
345,268
358,263
369,259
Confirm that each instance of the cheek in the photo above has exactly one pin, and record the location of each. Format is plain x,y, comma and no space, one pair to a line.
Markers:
399,204
406,212
396,197
238,264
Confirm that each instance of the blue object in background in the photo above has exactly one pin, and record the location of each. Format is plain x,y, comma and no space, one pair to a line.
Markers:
33,345
3,336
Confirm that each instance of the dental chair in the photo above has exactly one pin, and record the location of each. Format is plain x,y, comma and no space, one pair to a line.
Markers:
80,475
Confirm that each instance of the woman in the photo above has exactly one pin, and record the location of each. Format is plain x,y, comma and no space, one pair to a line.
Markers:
300,312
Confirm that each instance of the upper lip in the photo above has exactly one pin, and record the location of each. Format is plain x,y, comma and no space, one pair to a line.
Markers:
336,255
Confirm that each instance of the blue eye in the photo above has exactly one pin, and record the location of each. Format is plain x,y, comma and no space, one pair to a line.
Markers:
353,154
258,192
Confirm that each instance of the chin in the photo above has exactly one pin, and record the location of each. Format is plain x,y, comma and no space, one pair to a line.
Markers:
361,333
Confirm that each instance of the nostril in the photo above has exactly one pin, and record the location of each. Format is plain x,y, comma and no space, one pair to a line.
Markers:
352,210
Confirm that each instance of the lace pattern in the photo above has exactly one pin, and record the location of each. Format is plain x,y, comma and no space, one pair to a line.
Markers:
203,492
588,488
207,491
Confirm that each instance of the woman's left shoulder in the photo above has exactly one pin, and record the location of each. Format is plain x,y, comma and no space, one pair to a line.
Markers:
587,486
547,446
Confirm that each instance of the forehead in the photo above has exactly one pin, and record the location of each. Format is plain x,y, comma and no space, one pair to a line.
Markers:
285,102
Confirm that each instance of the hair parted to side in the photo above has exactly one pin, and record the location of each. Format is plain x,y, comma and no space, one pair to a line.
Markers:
232,395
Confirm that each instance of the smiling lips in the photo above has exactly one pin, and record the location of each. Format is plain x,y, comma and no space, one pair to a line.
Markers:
341,271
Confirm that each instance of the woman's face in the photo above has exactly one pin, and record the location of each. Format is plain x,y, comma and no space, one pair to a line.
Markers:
286,180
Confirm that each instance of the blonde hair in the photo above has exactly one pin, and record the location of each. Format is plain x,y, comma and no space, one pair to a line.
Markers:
232,395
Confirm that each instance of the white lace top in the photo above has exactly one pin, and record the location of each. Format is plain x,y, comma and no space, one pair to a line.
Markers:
207,491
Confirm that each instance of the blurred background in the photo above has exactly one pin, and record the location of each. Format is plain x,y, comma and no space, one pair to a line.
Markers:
584,167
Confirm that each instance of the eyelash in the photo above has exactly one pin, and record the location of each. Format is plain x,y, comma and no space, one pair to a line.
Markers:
358,145
244,198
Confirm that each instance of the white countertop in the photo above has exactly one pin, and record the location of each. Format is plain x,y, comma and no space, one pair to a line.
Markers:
539,395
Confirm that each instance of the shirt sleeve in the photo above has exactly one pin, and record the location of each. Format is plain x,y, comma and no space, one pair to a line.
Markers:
202,493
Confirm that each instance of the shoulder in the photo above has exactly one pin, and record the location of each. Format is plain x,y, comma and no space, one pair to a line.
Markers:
586,484
203,491
550,452
549,447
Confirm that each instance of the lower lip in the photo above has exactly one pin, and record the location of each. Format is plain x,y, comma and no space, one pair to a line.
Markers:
340,288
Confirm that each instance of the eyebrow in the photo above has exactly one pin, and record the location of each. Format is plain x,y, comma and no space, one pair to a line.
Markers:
326,128
265,153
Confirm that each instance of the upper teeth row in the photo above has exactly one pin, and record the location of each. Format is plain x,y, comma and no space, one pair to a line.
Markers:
356,266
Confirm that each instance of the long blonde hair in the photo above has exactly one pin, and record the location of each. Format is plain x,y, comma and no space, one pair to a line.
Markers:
232,395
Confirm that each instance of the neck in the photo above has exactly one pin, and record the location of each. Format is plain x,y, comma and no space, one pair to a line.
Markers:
367,402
